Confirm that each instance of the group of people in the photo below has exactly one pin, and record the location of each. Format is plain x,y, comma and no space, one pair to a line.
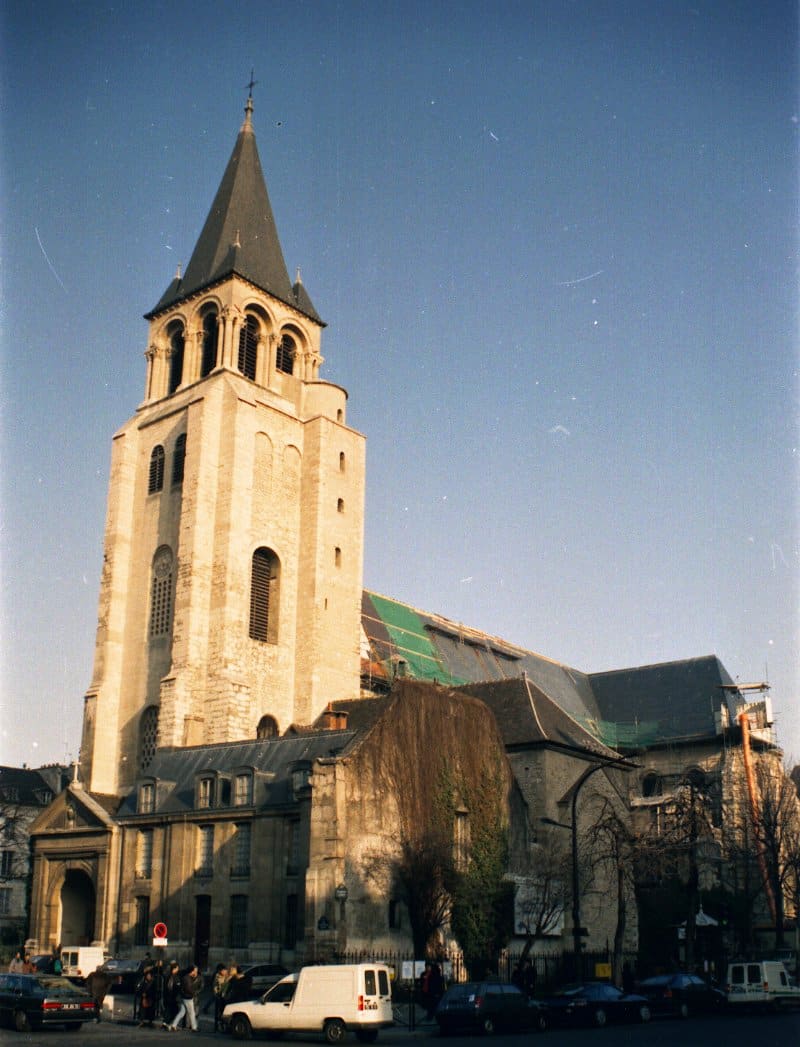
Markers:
174,995
22,963
229,985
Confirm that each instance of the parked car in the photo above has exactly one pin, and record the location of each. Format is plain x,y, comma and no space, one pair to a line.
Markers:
30,1001
487,1007
762,983
129,971
263,976
596,1003
680,994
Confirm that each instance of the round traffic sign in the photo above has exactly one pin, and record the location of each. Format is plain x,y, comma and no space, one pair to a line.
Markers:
160,930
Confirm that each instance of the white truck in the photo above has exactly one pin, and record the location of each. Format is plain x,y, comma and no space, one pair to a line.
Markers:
763,983
328,999
79,961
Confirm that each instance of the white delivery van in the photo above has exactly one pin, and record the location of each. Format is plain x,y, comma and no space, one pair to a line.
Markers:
79,961
762,983
328,999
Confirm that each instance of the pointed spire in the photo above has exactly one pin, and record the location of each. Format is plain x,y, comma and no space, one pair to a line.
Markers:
239,235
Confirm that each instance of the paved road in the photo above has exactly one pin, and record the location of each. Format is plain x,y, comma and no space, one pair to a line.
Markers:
737,1030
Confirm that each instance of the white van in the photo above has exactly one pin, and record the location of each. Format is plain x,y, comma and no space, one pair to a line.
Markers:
329,999
762,982
79,961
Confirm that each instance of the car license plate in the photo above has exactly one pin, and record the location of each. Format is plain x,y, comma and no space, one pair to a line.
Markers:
70,1006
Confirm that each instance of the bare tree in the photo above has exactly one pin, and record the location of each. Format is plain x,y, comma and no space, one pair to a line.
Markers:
542,896
775,828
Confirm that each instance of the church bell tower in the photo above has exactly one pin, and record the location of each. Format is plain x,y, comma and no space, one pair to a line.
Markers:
231,587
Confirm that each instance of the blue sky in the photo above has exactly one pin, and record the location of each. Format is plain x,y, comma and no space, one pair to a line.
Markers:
556,247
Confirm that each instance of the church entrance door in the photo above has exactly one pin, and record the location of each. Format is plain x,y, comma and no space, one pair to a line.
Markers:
77,909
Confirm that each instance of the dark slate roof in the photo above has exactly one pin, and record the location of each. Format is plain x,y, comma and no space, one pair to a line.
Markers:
240,236
362,713
676,699
527,716
432,647
25,786
177,768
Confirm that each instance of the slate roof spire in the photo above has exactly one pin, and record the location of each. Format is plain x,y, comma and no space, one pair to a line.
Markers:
240,235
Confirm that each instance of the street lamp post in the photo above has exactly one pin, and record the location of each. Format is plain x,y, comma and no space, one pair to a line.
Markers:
579,932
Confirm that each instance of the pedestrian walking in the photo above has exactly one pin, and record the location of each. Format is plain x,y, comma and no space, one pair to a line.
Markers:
188,986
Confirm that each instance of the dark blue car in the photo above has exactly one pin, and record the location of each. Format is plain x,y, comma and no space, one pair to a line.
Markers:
596,1003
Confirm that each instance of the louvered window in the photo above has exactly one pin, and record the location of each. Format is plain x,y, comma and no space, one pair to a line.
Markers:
248,348
209,356
178,460
176,344
155,481
284,360
263,596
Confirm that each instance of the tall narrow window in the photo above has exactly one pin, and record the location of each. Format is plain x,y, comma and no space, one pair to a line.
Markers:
176,344
241,851
248,348
155,480
243,789
148,736
178,460
461,840
337,556
290,939
142,924
263,596
205,792
284,360
161,593
293,847
147,798
341,461
144,854
205,851
209,352
239,921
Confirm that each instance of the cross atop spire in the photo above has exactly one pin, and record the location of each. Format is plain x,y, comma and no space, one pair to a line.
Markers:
248,109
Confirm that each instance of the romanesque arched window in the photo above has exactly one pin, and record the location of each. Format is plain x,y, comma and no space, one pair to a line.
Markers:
208,359
178,460
264,596
284,360
248,347
161,593
176,344
155,479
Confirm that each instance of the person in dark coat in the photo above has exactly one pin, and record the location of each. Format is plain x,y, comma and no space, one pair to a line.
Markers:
146,991
97,985
240,986
172,994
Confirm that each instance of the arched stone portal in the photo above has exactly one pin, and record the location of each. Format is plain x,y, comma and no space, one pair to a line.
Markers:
76,926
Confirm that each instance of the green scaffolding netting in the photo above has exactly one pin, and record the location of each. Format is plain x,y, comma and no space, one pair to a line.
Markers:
410,641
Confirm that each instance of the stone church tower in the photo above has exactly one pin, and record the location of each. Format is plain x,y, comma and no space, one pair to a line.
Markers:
230,595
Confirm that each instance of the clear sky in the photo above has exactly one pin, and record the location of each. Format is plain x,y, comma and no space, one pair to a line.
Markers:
556,246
